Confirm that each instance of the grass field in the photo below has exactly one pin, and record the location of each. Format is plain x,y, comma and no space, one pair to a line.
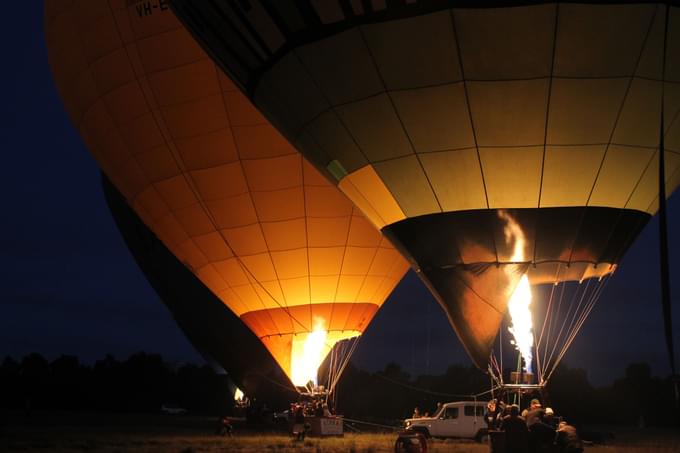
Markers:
151,434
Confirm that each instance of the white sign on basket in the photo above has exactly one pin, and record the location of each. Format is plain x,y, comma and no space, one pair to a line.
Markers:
331,426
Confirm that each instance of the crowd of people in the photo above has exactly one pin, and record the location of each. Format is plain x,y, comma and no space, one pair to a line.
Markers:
534,430
316,408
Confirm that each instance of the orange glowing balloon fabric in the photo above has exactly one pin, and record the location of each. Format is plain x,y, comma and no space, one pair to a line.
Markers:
224,191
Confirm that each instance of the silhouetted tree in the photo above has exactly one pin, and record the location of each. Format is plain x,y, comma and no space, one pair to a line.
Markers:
35,374
67,384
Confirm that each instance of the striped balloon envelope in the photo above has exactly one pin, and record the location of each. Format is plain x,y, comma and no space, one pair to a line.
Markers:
224,191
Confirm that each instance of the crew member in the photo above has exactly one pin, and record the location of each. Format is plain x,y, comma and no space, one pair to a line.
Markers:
491,416
516,432
567,439
534,404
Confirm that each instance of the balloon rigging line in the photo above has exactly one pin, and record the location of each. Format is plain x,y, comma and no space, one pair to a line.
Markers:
592,300
551,365
540,338
496,377
555,307
550,300
346,361
547,319
340,349
573,314
551,322
331,364
557,339
595,297
345,420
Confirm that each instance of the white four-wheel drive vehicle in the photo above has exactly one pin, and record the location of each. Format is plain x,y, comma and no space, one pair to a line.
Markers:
460,419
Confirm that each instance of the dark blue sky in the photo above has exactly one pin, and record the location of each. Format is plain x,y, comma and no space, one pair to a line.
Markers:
69,285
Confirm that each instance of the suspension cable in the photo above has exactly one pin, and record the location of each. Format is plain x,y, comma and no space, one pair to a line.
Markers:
539,367
550,325
575,313
588,307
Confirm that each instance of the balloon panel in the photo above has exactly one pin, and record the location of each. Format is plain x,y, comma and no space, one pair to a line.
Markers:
223,190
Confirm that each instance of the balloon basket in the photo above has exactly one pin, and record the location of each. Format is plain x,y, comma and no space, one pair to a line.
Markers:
515,393
521,378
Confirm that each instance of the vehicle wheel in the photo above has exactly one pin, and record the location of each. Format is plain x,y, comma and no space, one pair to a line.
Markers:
401,446
482,436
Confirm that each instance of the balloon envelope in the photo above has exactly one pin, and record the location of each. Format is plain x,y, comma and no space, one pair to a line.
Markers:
487,142
224,191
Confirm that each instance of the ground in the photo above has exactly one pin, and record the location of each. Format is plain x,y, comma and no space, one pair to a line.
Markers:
189,434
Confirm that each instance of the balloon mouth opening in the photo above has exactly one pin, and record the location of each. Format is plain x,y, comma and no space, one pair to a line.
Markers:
310,350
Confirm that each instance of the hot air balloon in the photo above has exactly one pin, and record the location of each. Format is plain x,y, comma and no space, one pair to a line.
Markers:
209,325
220,187
498,147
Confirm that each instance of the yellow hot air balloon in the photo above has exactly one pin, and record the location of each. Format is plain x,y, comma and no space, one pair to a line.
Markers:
490,143
223,190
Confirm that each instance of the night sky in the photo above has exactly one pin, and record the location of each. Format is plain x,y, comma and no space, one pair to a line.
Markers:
68,284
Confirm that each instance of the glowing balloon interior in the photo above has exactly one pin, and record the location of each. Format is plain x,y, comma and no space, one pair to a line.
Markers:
259,226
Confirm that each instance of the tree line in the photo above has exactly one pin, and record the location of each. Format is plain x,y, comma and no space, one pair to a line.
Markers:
143,382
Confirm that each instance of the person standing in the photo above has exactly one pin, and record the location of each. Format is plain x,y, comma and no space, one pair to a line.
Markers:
533,405
567,439
516,432
540,433
491,415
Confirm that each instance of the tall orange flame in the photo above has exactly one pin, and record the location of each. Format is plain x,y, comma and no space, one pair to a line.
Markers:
520,301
